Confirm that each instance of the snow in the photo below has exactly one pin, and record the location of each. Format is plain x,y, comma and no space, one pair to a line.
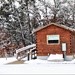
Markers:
4,61
37,66
17,4
36,61
55,57
25,48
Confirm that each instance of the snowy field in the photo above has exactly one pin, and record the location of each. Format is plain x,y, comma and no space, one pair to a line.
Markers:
36,66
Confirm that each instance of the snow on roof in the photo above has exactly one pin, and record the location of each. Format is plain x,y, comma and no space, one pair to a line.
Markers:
25,48
59,25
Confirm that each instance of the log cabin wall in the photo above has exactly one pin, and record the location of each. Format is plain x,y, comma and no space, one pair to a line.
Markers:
72,43
65,36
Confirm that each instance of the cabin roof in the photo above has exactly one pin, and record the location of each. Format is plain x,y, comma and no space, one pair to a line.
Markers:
59,25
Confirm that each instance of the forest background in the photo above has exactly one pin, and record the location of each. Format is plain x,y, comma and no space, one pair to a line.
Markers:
20,18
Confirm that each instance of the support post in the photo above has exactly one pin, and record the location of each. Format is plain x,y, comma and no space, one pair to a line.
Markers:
64,50
64,54
6,55
16,55
28,55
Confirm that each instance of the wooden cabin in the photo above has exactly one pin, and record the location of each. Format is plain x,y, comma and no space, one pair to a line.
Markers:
55,39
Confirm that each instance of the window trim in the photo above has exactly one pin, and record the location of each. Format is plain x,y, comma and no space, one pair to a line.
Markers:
53,43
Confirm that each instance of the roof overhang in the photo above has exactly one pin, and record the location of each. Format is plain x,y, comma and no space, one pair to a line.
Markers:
59,25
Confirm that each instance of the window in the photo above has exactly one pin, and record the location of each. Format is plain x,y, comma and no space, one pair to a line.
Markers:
52,39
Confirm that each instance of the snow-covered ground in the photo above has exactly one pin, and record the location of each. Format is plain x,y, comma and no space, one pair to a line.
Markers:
37,66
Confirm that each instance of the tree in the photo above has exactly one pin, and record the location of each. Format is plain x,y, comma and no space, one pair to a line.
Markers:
19,22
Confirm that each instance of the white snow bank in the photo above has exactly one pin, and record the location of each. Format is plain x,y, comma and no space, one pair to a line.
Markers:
73,61
55,57
4,61
36,61
34,67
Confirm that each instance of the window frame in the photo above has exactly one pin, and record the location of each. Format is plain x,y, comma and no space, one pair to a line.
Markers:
53,43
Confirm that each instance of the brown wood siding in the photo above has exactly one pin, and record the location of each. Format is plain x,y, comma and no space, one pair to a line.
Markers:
41,40
72,44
